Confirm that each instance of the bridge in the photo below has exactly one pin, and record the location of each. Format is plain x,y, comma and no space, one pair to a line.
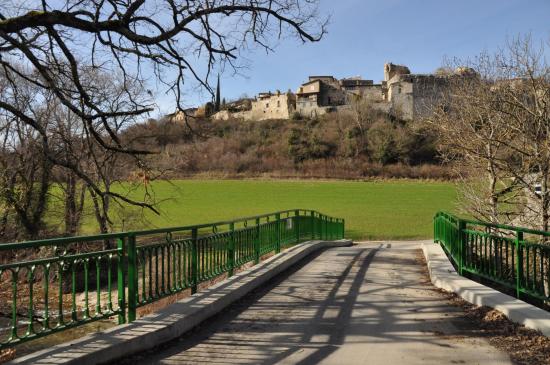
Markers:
367,304
277,288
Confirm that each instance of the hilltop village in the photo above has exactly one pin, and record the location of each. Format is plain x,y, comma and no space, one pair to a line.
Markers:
400,93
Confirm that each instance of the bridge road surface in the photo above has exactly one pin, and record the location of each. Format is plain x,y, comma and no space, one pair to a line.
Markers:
366,304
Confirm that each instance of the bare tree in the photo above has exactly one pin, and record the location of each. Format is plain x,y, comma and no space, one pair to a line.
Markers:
56,46
26,177
354,124
470,132
495,127
105,167
67,137
525,101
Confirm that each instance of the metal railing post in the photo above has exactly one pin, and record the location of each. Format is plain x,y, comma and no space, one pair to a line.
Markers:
462,244
194,260
519,263
297,219
435,228
321,227
132,278
231,249
121,282
257,242
445,240
278,233
312,224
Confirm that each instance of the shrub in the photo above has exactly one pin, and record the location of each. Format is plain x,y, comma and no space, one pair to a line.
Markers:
381,142
296,116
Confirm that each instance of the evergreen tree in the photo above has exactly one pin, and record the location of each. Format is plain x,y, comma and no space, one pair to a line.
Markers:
217,103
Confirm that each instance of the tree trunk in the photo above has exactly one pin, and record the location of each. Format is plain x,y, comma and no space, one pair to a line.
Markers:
74,205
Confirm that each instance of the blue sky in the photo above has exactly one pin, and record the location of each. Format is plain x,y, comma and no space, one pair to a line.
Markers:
364,34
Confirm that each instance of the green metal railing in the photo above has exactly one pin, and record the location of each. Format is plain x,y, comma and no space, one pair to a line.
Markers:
51,285
511,257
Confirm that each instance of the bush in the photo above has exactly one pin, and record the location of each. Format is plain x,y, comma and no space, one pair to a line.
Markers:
296,116
304,145
381,142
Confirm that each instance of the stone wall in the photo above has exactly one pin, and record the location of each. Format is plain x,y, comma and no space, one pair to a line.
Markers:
413,96
310,109
372,93
428,91
275,106
266,106
401,98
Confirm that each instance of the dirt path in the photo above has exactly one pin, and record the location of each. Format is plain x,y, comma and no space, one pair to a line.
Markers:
367,304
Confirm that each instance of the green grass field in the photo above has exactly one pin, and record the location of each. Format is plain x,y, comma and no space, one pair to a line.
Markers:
373,210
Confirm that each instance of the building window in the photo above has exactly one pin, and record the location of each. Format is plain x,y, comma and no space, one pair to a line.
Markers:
267,105
278,103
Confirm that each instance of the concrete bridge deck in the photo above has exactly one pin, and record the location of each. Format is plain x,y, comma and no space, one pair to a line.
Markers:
367,304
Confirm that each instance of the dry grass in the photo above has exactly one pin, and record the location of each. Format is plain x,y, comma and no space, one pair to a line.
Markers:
524,345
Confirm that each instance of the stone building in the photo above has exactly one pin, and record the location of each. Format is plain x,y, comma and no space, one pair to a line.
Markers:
318,96
364,88
265,106
323,94
402,93
406,95
181,116
412,96
273,106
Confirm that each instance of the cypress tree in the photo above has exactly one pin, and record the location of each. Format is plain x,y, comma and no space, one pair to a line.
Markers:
218,94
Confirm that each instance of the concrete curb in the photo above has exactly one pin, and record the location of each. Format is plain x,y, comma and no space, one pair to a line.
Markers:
174,320
444,276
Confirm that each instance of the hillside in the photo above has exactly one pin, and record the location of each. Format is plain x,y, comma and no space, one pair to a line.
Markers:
347,145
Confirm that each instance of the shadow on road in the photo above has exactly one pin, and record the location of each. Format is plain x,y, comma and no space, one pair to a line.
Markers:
341,305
